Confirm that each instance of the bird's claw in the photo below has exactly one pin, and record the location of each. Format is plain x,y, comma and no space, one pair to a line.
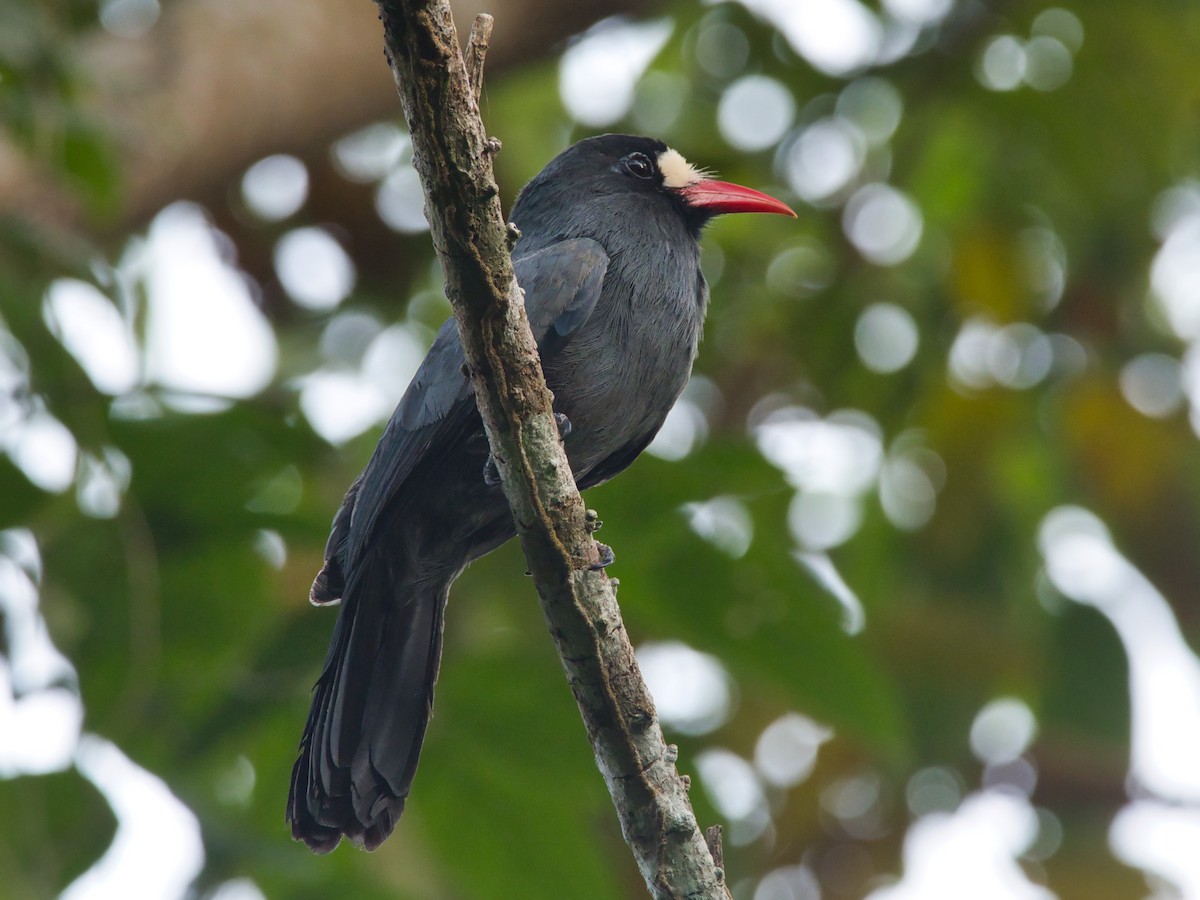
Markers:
607,557
564,426
491,474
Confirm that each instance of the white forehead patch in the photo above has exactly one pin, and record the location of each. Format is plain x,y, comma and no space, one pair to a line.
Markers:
677,172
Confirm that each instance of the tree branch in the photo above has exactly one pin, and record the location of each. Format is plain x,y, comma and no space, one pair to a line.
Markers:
452,155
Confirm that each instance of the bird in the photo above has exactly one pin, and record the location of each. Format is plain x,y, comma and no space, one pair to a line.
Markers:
608,260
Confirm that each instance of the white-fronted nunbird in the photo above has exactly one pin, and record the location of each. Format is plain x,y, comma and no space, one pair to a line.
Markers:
609,261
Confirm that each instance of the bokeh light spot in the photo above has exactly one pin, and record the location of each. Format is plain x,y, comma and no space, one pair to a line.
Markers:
969,853
129,18
658,102
837,37
825,158
1044,260
935,789
1164,674
734,789
724,522
754,112
1017,356
1060,24
92,329
1162,839
102,481
820,566
1175,272
1002,65
391,361
886,337
685,429
279,494
1152,383
341,405
271,547
1048,64
801,269
200,309
1049,837
400,201
786,751
820,520
347,336
1016,776
275,187
597,74
237,889
883,224
919,12
1002,731
313,268
234,786
372,152
788,883
873,104
722,49
42,448
906,492
692,691
840,454
157,850
856,804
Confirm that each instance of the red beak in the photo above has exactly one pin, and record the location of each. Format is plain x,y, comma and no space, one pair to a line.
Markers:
717,197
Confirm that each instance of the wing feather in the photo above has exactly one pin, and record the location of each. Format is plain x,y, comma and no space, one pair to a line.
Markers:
562,284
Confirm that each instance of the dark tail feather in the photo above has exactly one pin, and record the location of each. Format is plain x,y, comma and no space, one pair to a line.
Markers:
370,709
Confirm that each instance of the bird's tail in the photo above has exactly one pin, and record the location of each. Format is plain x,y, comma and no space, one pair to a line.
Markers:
370,709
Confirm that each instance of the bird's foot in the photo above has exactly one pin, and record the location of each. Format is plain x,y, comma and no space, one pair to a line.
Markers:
564,426
607,557
491,474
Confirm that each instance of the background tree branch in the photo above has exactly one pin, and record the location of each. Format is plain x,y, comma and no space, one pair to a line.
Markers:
453,157
289,77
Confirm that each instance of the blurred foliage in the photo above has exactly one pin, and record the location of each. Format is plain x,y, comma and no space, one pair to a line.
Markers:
195,655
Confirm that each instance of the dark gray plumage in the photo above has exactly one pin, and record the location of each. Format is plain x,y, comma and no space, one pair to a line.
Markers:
609,263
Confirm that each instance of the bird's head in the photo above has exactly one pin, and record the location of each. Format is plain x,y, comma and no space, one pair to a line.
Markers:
636,175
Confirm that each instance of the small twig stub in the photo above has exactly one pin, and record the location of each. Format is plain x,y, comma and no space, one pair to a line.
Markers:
477,47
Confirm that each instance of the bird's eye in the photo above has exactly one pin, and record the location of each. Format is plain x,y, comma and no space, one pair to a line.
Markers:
638,165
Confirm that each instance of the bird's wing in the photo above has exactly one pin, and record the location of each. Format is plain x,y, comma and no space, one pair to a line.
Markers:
562,283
